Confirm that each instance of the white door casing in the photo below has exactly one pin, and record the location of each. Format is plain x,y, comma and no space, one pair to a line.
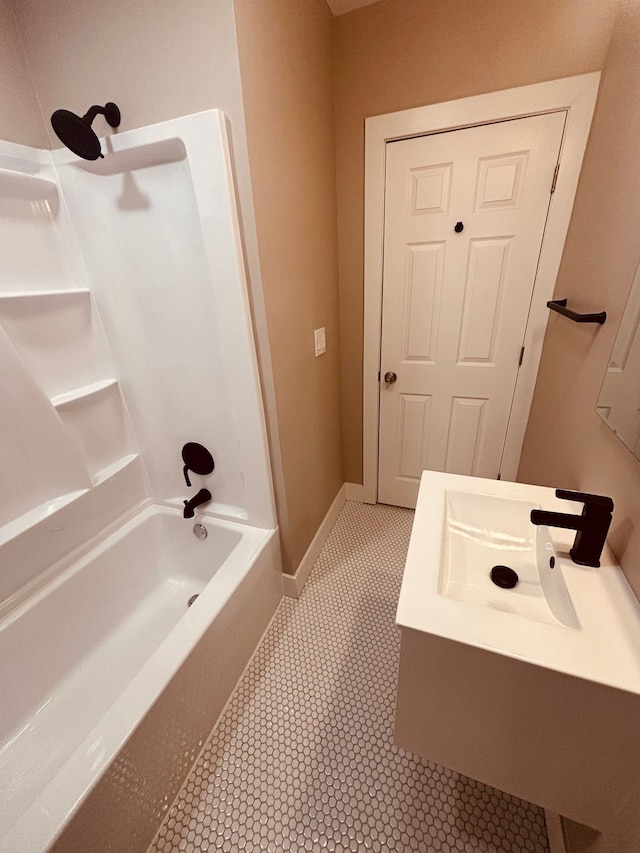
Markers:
464,219
577,96
619,401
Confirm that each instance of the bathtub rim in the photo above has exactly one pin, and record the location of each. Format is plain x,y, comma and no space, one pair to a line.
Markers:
38,826
24,597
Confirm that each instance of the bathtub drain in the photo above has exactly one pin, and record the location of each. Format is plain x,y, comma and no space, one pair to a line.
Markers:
200,531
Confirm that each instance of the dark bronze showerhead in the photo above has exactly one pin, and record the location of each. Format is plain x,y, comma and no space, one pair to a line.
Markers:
76,132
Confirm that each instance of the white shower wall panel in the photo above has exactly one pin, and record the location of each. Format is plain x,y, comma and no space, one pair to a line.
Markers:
57,338
38,464
33,257
68,458
157,226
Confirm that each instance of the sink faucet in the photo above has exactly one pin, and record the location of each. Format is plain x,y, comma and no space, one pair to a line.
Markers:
592,526
202,497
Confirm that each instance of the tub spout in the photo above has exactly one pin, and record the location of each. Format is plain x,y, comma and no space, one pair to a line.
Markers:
202,497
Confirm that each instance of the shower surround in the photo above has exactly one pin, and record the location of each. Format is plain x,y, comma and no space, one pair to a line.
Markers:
125,333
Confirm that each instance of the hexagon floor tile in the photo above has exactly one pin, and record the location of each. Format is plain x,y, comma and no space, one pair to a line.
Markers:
303,758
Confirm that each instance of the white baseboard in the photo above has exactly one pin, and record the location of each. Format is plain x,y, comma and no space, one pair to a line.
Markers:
354,492
555,833
293,584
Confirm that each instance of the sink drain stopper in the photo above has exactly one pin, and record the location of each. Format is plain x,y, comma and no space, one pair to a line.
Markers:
504,577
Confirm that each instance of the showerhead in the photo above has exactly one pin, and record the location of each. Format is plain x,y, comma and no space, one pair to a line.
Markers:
76,132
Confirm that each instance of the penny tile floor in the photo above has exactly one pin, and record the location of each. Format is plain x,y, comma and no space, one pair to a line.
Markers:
303,758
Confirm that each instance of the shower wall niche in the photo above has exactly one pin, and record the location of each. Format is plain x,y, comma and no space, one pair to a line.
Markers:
125,332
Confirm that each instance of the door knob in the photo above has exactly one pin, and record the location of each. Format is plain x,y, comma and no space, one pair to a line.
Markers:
390,378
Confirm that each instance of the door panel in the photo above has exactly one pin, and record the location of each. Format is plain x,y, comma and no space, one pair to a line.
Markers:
413,433
423,291
465,428
486,274
464,219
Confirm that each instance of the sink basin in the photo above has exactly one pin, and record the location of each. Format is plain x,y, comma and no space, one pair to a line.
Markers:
533,689
484,531
579,620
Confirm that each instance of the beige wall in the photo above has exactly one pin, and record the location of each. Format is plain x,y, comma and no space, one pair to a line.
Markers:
157,60
567,444
285,61
20,117
399,54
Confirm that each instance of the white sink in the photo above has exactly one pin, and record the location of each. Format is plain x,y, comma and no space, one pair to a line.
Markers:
484,531
578,620
536,689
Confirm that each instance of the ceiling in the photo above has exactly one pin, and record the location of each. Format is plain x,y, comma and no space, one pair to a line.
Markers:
340,7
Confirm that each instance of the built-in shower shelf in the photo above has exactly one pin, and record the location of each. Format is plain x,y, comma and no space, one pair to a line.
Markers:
87,391
114,468
39,513
14,184
22,295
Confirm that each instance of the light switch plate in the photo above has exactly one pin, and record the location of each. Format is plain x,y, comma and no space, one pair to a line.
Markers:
320,341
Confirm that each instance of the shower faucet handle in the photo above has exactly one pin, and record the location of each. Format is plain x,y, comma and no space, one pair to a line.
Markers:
196,458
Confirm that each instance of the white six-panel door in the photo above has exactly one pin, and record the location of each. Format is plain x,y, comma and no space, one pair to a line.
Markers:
465,213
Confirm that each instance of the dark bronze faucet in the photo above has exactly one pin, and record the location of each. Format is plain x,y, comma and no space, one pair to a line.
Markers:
202,497
196,458
592,526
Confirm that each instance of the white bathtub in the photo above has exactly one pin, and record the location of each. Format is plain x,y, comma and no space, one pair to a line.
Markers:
110,648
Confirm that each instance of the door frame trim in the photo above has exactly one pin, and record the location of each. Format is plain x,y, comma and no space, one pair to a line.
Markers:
577,95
